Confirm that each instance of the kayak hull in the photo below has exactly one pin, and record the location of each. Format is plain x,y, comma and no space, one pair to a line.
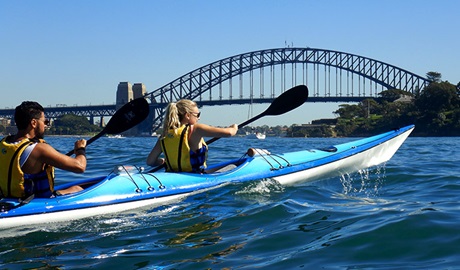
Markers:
126,188
352,160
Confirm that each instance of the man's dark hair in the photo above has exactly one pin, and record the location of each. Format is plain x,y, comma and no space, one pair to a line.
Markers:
25,112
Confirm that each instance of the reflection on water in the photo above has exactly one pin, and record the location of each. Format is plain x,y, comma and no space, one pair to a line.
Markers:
403,215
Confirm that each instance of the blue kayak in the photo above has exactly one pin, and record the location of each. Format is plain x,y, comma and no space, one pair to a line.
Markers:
128,187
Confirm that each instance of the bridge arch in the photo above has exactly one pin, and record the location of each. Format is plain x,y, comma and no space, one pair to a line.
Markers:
332,76
364,77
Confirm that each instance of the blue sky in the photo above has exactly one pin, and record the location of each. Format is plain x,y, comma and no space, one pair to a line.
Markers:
76,52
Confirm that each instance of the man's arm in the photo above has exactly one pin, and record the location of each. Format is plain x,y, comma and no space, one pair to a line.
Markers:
45,153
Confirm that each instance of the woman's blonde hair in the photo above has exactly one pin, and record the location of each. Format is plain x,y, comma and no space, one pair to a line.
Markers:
175,112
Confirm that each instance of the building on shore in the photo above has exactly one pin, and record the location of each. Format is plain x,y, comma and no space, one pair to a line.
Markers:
139,90
124,94
317,128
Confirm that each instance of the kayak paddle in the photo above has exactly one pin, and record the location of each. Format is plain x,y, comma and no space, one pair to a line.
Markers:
286,102
125,118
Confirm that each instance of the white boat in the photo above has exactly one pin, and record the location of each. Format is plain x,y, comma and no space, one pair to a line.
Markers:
255,135
117,136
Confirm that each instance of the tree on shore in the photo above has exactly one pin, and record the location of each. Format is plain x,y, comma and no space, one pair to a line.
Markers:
434,76
71,124
435,111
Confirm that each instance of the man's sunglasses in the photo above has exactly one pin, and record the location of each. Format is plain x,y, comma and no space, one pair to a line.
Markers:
46,121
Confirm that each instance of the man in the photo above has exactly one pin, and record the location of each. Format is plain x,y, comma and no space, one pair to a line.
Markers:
27,162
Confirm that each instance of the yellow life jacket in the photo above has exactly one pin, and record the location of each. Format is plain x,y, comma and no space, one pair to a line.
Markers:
14,183
178,156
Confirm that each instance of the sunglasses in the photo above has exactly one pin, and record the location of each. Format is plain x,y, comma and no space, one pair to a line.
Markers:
197,115
46,121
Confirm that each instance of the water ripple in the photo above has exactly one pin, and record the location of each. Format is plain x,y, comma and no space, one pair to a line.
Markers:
403,215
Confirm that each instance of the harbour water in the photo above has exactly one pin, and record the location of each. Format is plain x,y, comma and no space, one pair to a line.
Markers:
401,215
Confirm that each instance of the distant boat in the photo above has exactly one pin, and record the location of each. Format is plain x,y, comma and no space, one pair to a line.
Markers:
255,135
117,136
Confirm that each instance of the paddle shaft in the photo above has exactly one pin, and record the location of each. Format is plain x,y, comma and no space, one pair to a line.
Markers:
88,142
239,126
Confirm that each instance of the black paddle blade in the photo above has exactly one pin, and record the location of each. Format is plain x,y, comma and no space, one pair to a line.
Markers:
288,100
125,118
128,116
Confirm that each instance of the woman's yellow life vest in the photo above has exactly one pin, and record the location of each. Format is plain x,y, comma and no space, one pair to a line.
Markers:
178,156
13,182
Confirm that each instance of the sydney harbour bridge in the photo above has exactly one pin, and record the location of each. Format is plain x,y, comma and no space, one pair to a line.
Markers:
260,76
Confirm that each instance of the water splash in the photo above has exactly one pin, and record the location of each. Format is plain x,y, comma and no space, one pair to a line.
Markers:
367,181
263,187
261,192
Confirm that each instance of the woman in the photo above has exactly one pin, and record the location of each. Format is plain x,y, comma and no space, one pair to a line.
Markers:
182,139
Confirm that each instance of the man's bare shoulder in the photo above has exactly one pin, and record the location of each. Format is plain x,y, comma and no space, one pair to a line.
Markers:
44,149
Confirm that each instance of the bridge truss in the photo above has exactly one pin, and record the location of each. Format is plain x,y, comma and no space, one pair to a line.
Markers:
260,76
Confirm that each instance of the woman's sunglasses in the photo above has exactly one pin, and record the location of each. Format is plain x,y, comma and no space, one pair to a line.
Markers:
197,115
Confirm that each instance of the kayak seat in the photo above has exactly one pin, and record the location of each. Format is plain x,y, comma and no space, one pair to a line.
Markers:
225,167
